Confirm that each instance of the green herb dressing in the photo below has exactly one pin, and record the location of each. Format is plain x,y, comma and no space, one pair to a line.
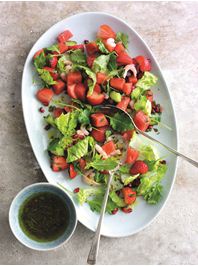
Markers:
43,217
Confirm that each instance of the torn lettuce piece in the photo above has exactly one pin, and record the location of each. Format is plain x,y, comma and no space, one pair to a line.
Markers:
91,75
128,179
116,199
120,122
150,183
66,123
148,152
100,64
46,77
102,47
58,146
40,61
96,203
80,149
122,37
49,119
147,81
84,194
143,104
78,56
101,165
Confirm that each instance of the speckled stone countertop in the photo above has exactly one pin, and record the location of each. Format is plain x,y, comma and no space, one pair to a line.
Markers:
171,31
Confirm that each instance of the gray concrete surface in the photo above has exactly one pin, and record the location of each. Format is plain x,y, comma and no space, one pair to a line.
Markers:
171,31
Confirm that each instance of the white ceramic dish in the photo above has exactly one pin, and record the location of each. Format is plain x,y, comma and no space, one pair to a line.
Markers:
84,26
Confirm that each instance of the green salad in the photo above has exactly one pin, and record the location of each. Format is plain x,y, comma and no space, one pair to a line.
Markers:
89,143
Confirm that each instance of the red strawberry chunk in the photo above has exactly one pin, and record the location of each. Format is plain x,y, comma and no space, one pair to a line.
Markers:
139,167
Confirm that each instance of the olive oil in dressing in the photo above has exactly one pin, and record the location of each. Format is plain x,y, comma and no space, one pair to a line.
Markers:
43,217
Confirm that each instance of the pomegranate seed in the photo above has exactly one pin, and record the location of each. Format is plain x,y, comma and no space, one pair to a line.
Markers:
115,211
127,210
76,190
47,127
41,109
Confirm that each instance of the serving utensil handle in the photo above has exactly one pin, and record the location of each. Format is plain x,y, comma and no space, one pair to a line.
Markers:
193,162
93,253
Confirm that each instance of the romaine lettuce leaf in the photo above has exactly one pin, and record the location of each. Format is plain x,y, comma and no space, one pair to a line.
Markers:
100,64
143,104
66,123
153,195
96,203
80,149
58,146
84,194
150,183
128,179
148,152
148,80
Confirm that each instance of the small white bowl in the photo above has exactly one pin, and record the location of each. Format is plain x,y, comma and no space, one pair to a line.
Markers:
14,216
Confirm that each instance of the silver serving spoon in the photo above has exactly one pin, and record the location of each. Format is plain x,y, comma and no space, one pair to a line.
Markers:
92,257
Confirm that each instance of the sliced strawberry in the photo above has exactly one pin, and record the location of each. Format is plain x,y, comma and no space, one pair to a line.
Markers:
119,48
52,72
64,36
57,112
127,135
144,63
124,59
99,120
90,60
74,78
123,104
44,95
59,86
117,83
99,134
127,88
38,53
101,78
91,48
80,91
82,163
72,172
132,155
129,195
106,32
71,91
109,147
53,61
139,167
76,47
141,120
59,163
62,47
